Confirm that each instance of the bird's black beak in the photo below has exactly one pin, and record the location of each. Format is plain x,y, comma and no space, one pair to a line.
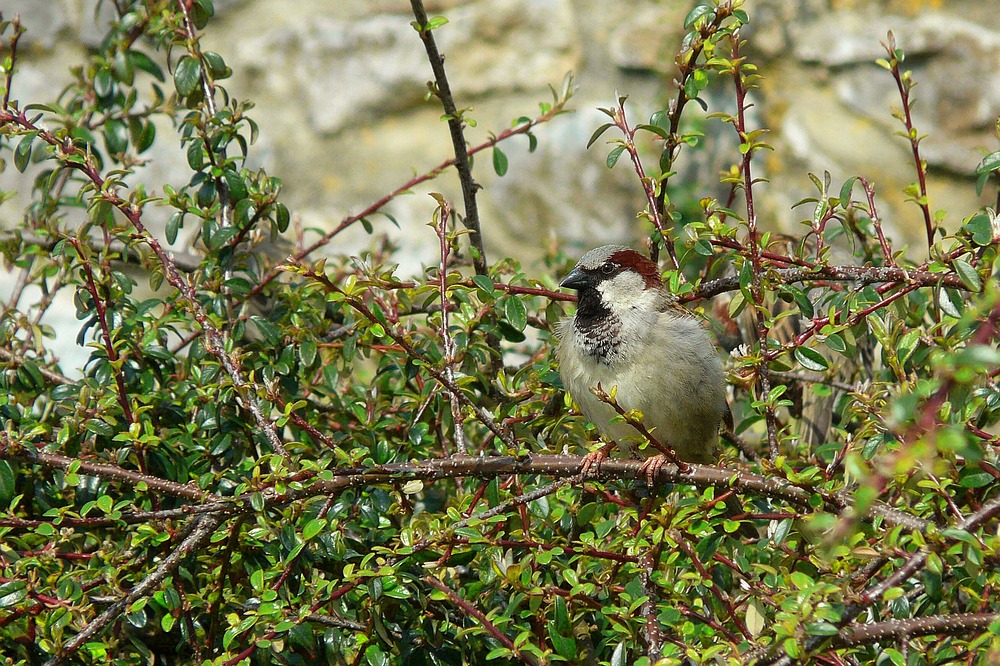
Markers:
576,279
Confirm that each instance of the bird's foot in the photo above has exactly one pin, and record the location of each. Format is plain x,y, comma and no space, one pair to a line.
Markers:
651,468
593,460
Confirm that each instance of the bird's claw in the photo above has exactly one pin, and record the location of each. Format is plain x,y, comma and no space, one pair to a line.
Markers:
651,468
593,460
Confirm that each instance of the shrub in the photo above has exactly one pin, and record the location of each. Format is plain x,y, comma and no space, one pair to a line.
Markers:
319,460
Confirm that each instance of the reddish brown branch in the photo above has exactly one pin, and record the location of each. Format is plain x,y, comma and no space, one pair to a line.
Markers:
903,84
952,625
481,618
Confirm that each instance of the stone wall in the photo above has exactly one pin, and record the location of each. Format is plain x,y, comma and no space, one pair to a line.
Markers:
338,88
339,92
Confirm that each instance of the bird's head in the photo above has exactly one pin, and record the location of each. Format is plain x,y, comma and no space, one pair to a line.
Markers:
613,279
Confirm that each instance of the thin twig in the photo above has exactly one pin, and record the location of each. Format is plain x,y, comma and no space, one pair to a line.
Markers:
440,226
523,128
877,221
101,308
651,626
620,119
216,157
11,450
401,339
667,452
904,84
913,564
857,274
480,617
456,125
15,23
687,66
756,289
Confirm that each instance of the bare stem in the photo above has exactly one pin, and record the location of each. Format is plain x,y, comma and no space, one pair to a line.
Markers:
753,240
440,226
904,84
456,125
877,221
480,617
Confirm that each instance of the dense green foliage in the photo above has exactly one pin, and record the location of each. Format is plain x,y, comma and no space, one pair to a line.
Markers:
260,461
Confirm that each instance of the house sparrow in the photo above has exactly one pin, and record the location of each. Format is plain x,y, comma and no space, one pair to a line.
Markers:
630,338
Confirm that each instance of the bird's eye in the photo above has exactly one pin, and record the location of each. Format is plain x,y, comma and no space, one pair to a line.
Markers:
609,268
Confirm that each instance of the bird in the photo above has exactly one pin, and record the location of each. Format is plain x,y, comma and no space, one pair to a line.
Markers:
631,340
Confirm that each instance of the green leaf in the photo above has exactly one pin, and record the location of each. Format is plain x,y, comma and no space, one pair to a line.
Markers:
598,132
822,629
975,479
662,132
143,134
216,65
313,527
307,352
142,61
12,593
104,83
237,186
116,136
614,155
282,217
201,11
485,283
990,163
565,646
698,12
499,161
845,192
980,228
99,428
187,76
970,278
810,359
618,656
946,303
435,22
101,213
517,314
562,623
6,483
175,222
22,154
269,330
195,154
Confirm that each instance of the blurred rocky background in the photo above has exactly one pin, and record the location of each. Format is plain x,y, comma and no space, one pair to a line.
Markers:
339,93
